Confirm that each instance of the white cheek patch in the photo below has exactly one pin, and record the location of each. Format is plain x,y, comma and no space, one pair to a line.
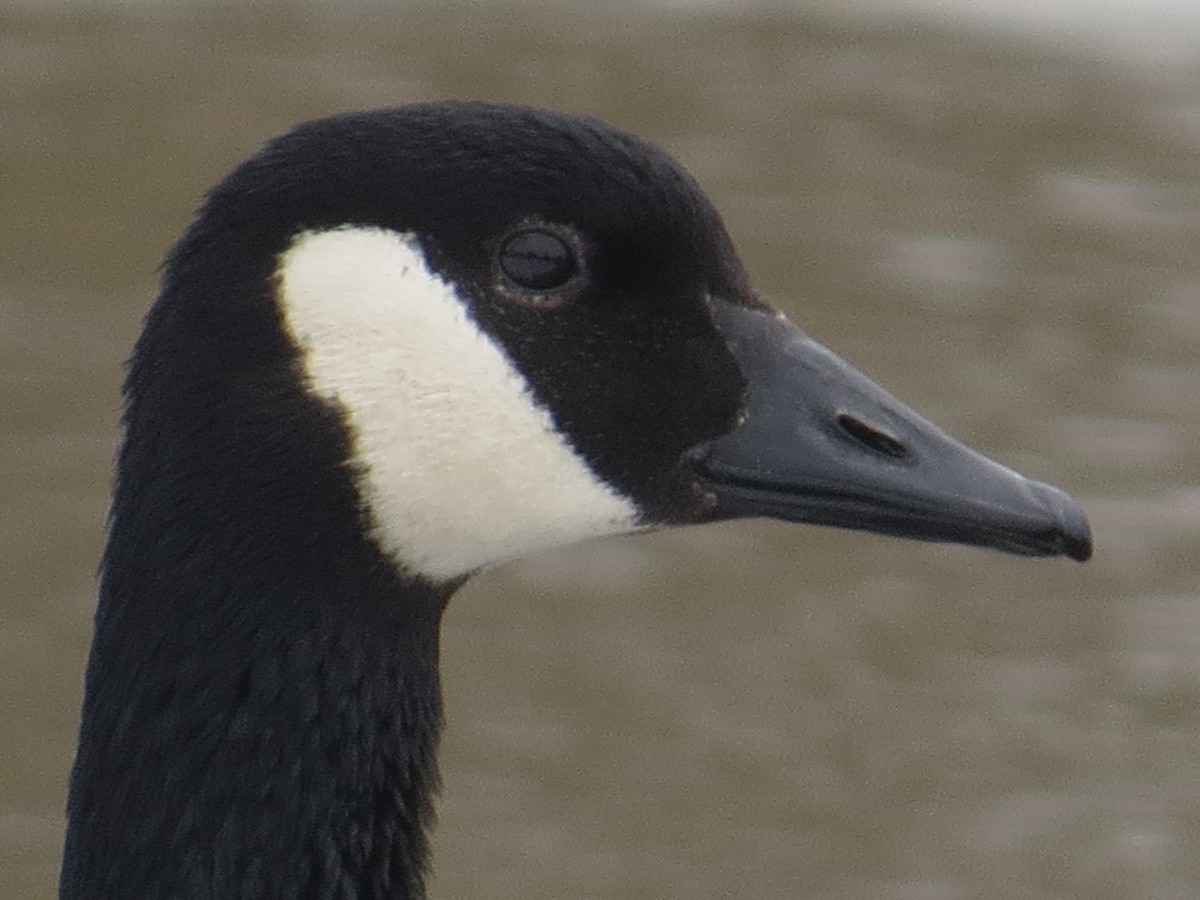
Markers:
459,465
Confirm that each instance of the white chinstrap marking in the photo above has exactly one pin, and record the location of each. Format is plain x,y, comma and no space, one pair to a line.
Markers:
460,467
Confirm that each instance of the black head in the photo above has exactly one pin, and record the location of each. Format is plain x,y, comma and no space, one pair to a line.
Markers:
605,278
587,253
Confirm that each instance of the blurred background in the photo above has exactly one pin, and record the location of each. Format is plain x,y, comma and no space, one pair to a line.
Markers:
993,208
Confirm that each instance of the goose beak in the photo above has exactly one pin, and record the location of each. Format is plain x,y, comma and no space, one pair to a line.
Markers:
822,443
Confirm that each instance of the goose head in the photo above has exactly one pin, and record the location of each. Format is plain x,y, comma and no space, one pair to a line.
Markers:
530,328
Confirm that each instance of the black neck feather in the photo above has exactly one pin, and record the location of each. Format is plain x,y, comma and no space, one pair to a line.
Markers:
236,754
262,703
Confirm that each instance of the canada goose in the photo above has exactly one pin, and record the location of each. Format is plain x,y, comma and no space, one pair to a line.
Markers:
393,348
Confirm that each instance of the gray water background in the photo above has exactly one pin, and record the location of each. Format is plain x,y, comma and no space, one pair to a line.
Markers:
1001,226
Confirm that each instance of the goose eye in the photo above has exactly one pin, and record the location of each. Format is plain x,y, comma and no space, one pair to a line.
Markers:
537,260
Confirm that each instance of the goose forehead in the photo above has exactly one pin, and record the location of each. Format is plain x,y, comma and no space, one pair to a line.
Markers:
456,464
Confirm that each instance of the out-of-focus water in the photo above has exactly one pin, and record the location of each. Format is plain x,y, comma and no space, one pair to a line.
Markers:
1006,232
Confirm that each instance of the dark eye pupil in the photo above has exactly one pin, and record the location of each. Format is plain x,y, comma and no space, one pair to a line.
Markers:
538,260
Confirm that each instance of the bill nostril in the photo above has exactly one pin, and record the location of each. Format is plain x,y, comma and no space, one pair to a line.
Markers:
871,437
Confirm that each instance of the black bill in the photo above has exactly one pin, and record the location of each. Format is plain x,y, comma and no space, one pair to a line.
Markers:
822,443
